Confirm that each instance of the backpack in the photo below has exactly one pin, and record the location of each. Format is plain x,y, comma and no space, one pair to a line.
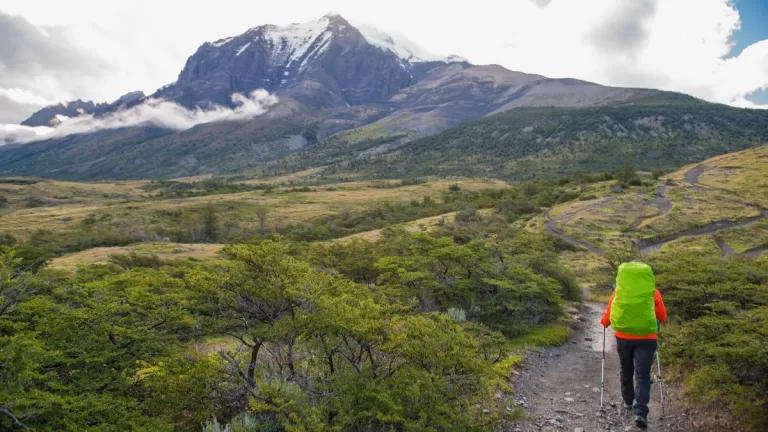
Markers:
632,310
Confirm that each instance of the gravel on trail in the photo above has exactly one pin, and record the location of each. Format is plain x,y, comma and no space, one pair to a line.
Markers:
559,389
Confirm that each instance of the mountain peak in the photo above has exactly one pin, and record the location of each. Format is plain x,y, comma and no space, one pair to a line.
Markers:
298,37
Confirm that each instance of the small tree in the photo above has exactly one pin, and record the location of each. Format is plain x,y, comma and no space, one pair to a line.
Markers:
261,214
210,232
626,174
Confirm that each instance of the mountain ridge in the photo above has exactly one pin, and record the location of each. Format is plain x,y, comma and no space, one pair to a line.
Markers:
334,83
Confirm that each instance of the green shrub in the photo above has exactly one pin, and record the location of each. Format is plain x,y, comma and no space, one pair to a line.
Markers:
721,308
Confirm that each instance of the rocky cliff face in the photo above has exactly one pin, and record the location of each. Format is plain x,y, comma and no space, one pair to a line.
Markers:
48,115
52,115
326,63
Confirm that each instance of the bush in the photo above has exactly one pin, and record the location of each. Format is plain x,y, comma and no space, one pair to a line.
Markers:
466,216
722,308
458,315
6,239
34,202
454,187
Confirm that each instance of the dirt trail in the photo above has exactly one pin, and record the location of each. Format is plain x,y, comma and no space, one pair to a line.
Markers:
564,218
560,388
756,252
557,232
693,174
647,246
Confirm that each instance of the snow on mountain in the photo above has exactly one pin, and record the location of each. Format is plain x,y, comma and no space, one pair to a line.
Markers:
398,44
291,42
242,48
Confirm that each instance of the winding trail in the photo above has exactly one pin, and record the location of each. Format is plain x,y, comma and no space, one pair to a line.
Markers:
693,174
557,232
650,245
560,388
725,249
550,227
661,202
756,252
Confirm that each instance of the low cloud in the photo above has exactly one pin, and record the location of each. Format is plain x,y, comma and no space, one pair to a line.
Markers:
157,112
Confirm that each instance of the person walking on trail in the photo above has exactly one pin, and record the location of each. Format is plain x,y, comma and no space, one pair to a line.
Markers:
635,311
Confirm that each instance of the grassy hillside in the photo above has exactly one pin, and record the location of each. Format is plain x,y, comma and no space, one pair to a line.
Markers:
530,143
725,205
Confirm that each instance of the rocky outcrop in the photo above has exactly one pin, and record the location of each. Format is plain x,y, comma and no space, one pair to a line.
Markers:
326,64
51,115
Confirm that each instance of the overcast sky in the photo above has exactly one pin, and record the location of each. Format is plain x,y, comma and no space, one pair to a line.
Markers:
55,51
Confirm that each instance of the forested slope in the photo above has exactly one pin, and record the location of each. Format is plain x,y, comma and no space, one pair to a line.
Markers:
529,143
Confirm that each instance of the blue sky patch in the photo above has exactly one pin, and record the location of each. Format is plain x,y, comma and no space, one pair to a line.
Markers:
754,24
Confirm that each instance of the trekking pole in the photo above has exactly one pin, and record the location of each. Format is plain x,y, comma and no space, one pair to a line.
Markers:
602,374
661,381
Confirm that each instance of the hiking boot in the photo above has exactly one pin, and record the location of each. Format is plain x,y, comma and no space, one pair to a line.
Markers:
628,406
641,422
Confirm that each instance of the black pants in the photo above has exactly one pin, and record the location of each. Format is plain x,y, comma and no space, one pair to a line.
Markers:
636,358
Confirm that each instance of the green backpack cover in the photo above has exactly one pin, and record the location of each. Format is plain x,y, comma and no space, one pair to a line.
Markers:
633,311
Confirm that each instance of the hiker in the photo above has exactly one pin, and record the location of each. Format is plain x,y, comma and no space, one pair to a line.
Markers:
635,311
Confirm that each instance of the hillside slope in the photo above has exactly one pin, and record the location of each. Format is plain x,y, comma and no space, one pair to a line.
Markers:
529,143
715,207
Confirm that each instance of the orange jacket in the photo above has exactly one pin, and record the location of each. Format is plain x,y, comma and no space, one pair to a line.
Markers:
661,315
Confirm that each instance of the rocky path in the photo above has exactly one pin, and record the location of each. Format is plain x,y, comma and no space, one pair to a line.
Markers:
560,389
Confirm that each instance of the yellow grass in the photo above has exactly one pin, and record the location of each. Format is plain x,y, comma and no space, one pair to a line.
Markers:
729,188
423,224
702,245
163,250
744,173
240,208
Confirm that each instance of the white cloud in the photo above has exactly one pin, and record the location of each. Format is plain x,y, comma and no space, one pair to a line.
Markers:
25,97
157,112
679,45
